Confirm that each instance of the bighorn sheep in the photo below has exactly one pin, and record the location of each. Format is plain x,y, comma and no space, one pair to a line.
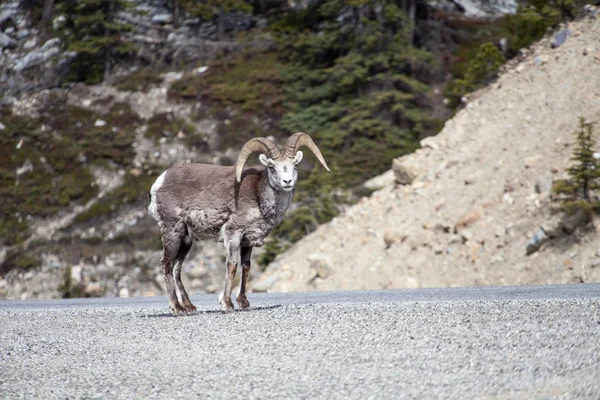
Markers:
238,206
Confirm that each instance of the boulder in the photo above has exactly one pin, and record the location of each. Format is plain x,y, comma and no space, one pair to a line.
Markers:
6,42
391,237
94,289
405,170
536,241
39,56
263,284
321,264
198,272
380,180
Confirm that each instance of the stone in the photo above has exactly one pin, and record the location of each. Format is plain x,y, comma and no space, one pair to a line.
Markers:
572,222
264,283
405,170
380,181
25,168
508,198
536,241
196,284
135,172
124,292
6,42
520,67
76,274
162,19
532,161
560,38
173,76
198,272
440,204
411,283
391,237
429,142
39,56
321,264
543,185
94,289
420,237
467,219
23,33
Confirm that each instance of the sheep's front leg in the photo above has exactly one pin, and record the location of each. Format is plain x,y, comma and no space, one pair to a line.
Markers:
241,298
232,244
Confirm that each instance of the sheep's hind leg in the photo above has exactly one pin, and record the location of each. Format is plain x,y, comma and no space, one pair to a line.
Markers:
172,239
241,298
232,244
184,248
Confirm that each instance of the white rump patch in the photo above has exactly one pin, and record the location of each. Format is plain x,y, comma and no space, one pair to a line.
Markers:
155,187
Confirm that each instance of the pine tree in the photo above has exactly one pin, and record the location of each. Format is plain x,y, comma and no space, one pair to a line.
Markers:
91,30
578,191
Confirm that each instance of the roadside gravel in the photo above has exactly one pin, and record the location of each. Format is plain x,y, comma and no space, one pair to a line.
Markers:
459,350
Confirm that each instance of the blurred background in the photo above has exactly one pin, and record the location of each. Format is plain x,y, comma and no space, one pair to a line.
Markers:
98,97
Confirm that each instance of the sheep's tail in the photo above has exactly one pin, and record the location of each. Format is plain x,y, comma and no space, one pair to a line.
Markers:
152,210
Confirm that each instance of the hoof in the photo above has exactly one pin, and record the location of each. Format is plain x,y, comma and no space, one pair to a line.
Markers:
176,308
189,308
243,303
226,305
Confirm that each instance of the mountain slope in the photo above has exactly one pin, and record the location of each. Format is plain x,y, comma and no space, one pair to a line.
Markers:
482,189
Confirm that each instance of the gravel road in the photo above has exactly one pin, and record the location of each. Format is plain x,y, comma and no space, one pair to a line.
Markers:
478,343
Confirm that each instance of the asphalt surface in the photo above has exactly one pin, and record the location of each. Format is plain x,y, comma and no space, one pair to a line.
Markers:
475,343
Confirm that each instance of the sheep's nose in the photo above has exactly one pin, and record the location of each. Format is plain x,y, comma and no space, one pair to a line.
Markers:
287,182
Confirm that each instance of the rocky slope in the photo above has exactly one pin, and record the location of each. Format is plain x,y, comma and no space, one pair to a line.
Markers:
473,195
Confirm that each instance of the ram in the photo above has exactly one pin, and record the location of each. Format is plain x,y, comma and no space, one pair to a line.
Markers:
236,205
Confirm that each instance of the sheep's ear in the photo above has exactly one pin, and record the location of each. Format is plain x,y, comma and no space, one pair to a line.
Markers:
298,158
267,162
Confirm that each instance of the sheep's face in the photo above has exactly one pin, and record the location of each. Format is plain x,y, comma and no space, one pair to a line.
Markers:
283,172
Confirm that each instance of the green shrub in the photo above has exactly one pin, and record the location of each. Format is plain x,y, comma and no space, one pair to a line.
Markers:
481,70
535,17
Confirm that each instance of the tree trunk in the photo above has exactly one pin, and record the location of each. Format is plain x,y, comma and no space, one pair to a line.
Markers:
107,64
46,16
412,14
220,25
176,11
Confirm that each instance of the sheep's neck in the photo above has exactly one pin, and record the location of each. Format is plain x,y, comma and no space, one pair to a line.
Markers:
273,203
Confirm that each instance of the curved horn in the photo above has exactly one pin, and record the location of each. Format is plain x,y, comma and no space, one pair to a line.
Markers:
253,146
300,139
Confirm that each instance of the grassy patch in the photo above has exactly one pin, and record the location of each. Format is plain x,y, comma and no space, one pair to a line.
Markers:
40,174
141,81
131,191
250,83
99,142
19,259
245,94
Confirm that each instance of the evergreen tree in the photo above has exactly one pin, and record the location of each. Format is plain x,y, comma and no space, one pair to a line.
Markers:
91,30
355,83
482,70
535,17
577,192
